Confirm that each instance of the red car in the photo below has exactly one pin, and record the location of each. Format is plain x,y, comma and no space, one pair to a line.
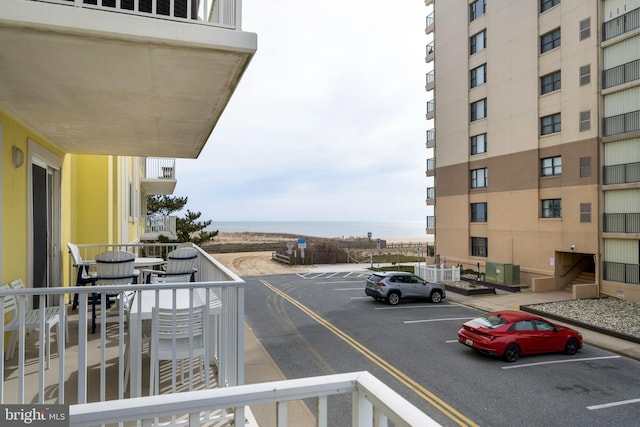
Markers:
511,333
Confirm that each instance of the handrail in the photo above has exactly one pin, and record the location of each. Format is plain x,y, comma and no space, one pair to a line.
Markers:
372,402
220,13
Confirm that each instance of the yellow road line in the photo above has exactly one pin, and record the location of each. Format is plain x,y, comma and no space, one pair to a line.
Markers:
421,391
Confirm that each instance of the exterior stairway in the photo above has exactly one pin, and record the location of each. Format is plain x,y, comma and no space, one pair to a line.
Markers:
582,278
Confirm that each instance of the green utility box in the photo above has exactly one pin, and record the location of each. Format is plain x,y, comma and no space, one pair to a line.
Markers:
502,273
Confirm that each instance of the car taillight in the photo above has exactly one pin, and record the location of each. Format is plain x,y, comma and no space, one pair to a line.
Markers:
381,284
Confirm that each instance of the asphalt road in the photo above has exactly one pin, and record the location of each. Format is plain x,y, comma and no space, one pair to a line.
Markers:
322,323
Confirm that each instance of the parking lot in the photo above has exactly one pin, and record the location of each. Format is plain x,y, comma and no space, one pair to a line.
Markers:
321,322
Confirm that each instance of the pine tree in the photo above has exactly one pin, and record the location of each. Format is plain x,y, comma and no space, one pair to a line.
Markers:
188,229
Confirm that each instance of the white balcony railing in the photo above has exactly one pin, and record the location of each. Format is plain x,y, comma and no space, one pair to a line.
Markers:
91,367
224,13
160,223
160,168
372,403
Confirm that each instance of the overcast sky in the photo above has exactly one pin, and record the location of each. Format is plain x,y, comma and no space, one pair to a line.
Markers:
328,121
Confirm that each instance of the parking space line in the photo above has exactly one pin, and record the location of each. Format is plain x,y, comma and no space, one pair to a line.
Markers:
437,320
365,297
406,307
584,359
611,404
447,410
347,289
451,341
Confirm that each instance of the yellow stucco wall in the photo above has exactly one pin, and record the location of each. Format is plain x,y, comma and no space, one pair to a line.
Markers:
14,203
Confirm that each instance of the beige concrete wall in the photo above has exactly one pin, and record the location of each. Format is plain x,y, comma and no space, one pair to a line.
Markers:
515,230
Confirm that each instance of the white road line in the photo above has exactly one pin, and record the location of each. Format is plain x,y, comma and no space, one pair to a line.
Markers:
560,361
360,297
609,405
437,320
347,289
405,307
333,274
341,281
451,341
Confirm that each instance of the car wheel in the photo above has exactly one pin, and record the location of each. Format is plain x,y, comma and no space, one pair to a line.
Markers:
572,346
436,296
511,353
393,298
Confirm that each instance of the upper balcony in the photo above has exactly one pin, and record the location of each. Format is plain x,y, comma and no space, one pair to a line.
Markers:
159,177
430,23
621,24
107,79
431,80
431,166
431,138
431,109
431,196
431,51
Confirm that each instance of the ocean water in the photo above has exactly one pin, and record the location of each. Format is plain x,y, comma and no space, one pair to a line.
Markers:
382,230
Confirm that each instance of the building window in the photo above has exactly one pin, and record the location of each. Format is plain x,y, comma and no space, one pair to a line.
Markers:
550,40
585,212
479,110
585,167
548,4
585,120
550,124
480,247
478,212
551,166
476,9
478,75
585,75
550,82
479,143
479,178
552,208
585,28
478,42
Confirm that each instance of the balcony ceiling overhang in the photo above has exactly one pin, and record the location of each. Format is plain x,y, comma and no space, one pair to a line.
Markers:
98,82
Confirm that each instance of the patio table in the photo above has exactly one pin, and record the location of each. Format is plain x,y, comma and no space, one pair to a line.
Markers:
139,314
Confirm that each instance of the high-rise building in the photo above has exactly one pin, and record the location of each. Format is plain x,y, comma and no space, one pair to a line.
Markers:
536,163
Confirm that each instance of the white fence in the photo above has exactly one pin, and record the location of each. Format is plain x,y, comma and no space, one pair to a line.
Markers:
437,274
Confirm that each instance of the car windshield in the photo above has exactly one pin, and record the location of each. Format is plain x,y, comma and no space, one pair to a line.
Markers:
490,321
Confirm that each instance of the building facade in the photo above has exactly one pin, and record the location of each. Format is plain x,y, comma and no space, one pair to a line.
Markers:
536,107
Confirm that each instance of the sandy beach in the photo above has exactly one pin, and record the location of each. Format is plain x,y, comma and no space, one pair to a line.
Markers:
259,263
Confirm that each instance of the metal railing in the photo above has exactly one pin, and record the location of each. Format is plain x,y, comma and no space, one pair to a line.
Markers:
621,223
620,25
372,403
160,168
621,74
621,174
622,123
222,13
91,367
621,272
